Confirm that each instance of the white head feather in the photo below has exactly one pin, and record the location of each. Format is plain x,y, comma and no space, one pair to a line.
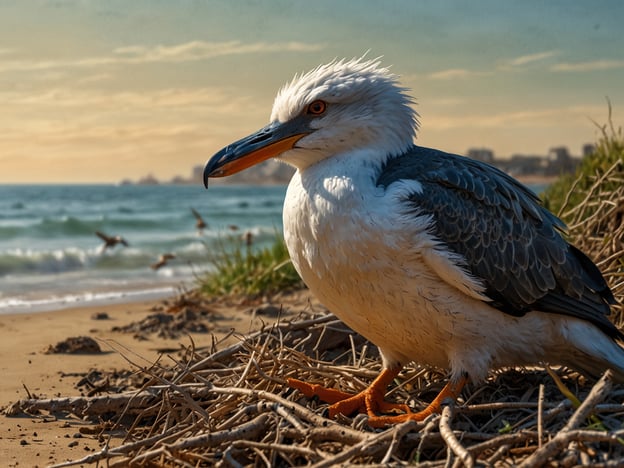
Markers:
366,108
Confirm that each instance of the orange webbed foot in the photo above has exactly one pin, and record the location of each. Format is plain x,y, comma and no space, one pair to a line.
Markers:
328,395
371,400
451,390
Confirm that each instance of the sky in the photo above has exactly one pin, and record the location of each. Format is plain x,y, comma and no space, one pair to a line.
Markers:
100,91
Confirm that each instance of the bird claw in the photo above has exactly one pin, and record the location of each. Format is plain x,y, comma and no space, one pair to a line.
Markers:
328,395
367,402
371,401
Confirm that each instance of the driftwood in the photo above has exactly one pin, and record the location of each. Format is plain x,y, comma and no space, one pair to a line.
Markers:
128,403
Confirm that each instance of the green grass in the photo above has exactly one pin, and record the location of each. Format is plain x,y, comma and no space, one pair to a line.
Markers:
244,270
571,190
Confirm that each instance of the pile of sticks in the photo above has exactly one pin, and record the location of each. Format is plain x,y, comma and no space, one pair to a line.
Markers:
231,407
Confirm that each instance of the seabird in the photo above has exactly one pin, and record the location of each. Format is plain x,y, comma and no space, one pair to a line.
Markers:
248,238
200,224
434,257
110,241
162,261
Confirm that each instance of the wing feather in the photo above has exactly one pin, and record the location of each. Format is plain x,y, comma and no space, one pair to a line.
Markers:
505,237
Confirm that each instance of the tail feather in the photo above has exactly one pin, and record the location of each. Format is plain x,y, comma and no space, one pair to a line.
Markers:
592,352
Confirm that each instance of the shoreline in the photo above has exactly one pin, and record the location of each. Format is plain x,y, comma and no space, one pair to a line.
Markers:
536,179
42,440
88,300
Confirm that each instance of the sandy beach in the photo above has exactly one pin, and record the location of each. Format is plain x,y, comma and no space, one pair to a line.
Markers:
28,371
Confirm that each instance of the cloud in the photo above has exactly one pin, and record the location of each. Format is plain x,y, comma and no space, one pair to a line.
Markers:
210,99
455,73
96,78
185,52
548,117
530,58
34,120
183,125
508,65
446,101
200,50
594,65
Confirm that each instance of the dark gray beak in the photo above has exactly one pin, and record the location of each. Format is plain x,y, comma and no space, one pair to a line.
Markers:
270,141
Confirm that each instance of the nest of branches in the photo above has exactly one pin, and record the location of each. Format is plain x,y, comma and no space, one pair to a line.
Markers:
597,228
231,406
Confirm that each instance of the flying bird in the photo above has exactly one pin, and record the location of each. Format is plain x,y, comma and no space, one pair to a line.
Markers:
162,261
110,241
248,237
434,257
200,224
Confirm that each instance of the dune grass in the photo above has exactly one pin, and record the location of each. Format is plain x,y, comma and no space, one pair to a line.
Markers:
570,190
592,205
244,270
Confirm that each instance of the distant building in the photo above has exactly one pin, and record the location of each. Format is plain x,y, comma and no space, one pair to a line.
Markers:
178,180
523,165
588,149
557,162
197,174
560,161
481,154
559,154
148,180
266,173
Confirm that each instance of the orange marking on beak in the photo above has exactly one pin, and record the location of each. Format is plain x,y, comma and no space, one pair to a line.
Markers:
261,154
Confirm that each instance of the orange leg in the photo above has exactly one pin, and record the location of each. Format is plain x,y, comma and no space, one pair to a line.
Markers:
371,400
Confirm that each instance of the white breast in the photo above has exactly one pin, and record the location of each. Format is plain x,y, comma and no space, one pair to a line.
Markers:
371,264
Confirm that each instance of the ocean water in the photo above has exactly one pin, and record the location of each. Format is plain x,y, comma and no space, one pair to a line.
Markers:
50,257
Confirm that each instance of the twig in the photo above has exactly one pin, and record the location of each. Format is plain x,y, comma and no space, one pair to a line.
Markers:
597,394
108,453
568,433
227,456
233,349
398,433
540,416
298,450
248,430
449,437
370,445
498,441
132,402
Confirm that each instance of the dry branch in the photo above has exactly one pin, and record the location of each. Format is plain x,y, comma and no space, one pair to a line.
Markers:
449,437
129,402
564,437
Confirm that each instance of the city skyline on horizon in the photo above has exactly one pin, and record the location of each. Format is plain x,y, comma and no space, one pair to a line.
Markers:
195,173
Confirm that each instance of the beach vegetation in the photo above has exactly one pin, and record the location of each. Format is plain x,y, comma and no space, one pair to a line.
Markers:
241,269
605,165
591,203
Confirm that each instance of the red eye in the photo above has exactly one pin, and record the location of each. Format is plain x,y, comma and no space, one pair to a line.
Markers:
316,107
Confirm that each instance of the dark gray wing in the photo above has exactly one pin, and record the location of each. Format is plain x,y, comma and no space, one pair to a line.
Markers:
508,240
